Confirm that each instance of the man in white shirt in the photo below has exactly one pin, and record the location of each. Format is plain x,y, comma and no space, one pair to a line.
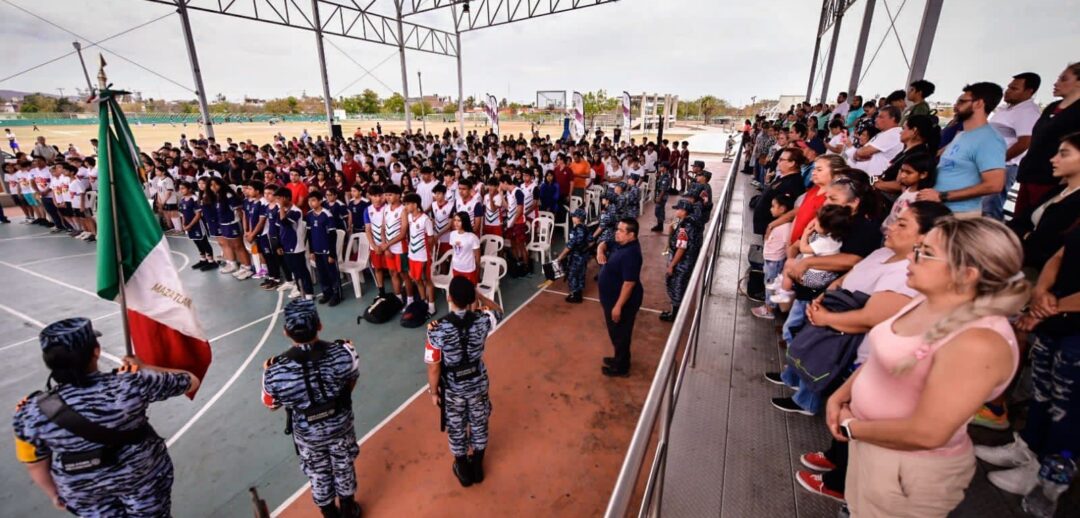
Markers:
842,106
876,155
425,186
1013,120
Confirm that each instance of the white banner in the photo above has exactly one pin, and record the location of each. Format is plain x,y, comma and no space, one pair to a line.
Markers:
578,126
492,110
626,113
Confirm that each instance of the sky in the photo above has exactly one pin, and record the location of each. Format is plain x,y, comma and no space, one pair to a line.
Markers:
734,50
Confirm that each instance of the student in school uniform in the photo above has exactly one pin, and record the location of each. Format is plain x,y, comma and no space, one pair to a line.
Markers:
356,207
421,239
254,221
13,189
322,240
466,246
373,227
77,190
195,226
292,243
62,197
394,228
493,208
278,276
338,210
207,211
515,217
228,206
442,217
165,198
25,180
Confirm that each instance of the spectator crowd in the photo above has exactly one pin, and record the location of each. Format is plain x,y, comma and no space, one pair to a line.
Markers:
909,297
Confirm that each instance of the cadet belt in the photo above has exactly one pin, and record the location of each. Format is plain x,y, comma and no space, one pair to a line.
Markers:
57,411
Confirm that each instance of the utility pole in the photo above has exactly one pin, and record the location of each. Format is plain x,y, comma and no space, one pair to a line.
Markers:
327,101
423,107
404,72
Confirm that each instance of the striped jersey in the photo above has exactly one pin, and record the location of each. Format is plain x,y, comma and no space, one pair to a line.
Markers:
420,228
374,223
394,220
493,210
442,218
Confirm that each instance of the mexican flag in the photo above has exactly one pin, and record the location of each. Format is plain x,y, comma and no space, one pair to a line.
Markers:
164,329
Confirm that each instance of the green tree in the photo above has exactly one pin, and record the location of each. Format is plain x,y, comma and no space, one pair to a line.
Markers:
369,101
449,108
394,104
598,102
37,103
711,106
420,108
470,102
65,105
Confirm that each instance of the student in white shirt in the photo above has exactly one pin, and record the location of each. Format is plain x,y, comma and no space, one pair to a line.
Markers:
1013,120
421,238
166,198
466,247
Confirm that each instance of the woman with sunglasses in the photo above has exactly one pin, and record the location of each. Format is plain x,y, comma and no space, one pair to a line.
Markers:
930,367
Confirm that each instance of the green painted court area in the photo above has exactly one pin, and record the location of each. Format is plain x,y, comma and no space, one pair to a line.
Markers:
224,441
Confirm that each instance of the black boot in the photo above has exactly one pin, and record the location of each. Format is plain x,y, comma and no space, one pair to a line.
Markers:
668,316
463,471
349,507
575,298
477,463
330,511
657,228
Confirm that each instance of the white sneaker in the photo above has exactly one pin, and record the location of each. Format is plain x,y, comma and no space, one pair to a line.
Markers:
243,274
1019,480
286,286
228,268
1010,455
781,297
294,293
260,275
85,235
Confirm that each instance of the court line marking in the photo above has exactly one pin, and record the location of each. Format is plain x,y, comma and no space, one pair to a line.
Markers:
41,324
563,293
236,375
35,236
58,258
54,281
32,339
300,492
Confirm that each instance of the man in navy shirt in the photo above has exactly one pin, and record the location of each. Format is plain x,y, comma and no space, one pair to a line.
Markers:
292,242
621,294
322,243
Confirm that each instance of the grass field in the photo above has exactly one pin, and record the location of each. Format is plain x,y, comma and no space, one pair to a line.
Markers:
150,137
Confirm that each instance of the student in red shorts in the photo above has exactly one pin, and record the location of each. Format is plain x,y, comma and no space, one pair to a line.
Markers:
421,239
373,226
466,246
394,226
494,201
515,217
442,218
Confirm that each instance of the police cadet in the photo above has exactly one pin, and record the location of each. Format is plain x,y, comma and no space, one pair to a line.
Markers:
683,244
604,235
457,377
663,183
87,441
701,190
633,196
314,380
577,248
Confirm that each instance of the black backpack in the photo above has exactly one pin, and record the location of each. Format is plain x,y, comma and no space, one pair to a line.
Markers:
383,309
415,314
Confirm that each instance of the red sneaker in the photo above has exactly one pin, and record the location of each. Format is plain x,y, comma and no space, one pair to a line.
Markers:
817,461
812,482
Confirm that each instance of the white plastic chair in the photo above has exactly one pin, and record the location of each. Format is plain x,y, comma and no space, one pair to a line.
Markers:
358,244
491,245
440,279
493,270
590,216
546,215
540,242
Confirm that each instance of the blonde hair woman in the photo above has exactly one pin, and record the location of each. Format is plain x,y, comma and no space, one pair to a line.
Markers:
931,366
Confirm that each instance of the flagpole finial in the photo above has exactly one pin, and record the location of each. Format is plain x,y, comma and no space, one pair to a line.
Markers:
102,80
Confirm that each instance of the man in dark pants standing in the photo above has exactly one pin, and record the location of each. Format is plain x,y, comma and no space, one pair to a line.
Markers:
621,294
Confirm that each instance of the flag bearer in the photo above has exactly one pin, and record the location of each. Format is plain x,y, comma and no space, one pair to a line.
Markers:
87,441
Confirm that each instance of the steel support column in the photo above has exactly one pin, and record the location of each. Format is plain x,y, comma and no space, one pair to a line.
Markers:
927,30
860,47
327,101
832,56
460,91
817,50
196,72
404,72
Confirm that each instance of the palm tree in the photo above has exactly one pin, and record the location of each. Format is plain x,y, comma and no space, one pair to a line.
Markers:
709,106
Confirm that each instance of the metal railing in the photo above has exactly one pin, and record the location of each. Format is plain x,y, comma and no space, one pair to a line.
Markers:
663,395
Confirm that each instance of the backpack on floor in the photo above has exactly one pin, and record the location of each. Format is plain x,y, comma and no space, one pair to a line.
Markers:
415,314
383,308
755,274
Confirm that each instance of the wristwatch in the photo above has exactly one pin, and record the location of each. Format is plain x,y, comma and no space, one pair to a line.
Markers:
845,428
944,196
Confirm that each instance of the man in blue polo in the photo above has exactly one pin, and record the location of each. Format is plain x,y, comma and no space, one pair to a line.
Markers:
621,294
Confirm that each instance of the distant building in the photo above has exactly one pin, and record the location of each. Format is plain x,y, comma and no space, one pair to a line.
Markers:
783,105
8,107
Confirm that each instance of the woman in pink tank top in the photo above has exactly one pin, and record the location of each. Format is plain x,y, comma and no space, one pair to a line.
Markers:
930,368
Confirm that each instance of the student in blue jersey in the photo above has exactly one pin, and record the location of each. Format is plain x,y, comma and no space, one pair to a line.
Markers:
313,381
86,441
292,243
193,224
278,273
228,206
322,241
254,222
357,207
338,210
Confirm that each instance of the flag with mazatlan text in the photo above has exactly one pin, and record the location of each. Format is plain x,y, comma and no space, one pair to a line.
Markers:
165,330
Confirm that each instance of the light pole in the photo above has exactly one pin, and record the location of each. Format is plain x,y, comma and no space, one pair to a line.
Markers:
78,50
423,109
